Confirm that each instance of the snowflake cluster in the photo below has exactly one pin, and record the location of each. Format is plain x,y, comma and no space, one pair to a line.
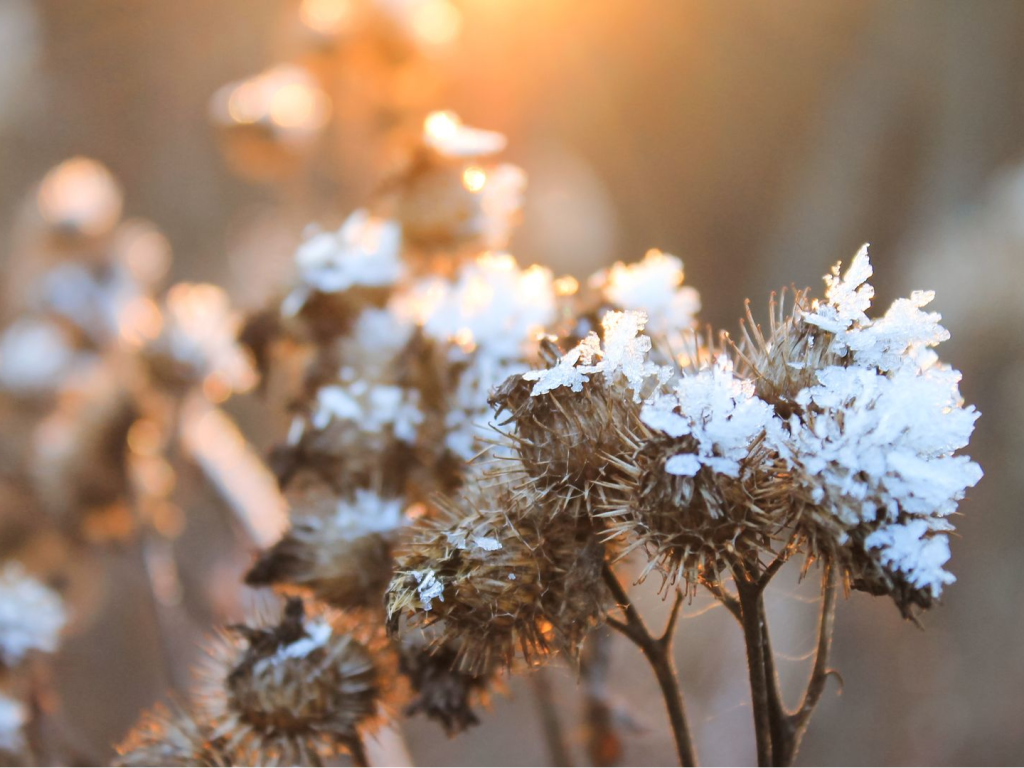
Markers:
31,616
654,285
371,407
718,410
368,512
13,716
363,252
621,354
877,436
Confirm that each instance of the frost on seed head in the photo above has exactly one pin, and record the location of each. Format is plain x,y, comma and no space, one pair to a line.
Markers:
901,337
718,410
654,285
623,353
31,616
363,252
13,716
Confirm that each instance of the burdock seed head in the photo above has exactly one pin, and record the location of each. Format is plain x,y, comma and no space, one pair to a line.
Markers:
492,577
295,692
172,737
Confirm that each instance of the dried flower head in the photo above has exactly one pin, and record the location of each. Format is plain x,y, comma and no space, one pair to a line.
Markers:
869,438
567,421
686,488
343,556
495,577
173,737
295,692
441,690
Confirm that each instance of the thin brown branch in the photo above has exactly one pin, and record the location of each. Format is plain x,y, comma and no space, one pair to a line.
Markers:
820,671
751,598
604,746
658,652
551,723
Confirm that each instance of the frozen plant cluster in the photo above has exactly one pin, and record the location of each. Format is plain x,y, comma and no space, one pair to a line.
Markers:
31,616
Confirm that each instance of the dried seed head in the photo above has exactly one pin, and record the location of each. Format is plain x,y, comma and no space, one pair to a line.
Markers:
166,737
343,556
295,692
788,359
442,691
690,525
496,577
562,437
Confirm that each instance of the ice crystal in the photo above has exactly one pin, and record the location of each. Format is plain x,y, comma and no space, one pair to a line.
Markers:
900,337
878,445
623,353
363,252
317,635
915,550
429,588
34,354
493,306
368,512
371,407
719,411
654,285
31,616
13,716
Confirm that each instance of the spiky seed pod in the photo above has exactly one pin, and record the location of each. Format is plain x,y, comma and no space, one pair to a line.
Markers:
495,577
442,691
340,571
691,527
788,359
564,439
293,693
172,737
342,554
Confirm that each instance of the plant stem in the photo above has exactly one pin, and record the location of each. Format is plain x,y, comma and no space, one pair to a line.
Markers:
358,752
751,598
658,651
604,747
558,754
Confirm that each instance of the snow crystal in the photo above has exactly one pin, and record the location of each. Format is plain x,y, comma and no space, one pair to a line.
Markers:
429,588
623,353
34,354
877,443
31,616
847,297
363,252
372,408
654,285
914,550
13,716
368,512
493,306
719,411
566,373
902,337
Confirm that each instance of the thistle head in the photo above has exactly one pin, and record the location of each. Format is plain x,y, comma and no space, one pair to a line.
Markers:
493,577
297,691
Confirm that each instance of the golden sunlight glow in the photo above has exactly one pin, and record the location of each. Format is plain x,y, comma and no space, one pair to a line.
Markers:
145,437
293,105
442,126
437,22
80,195
474,178
287,97
326,17
463,338
566,285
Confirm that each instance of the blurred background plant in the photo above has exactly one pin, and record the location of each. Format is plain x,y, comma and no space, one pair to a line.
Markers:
759,142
